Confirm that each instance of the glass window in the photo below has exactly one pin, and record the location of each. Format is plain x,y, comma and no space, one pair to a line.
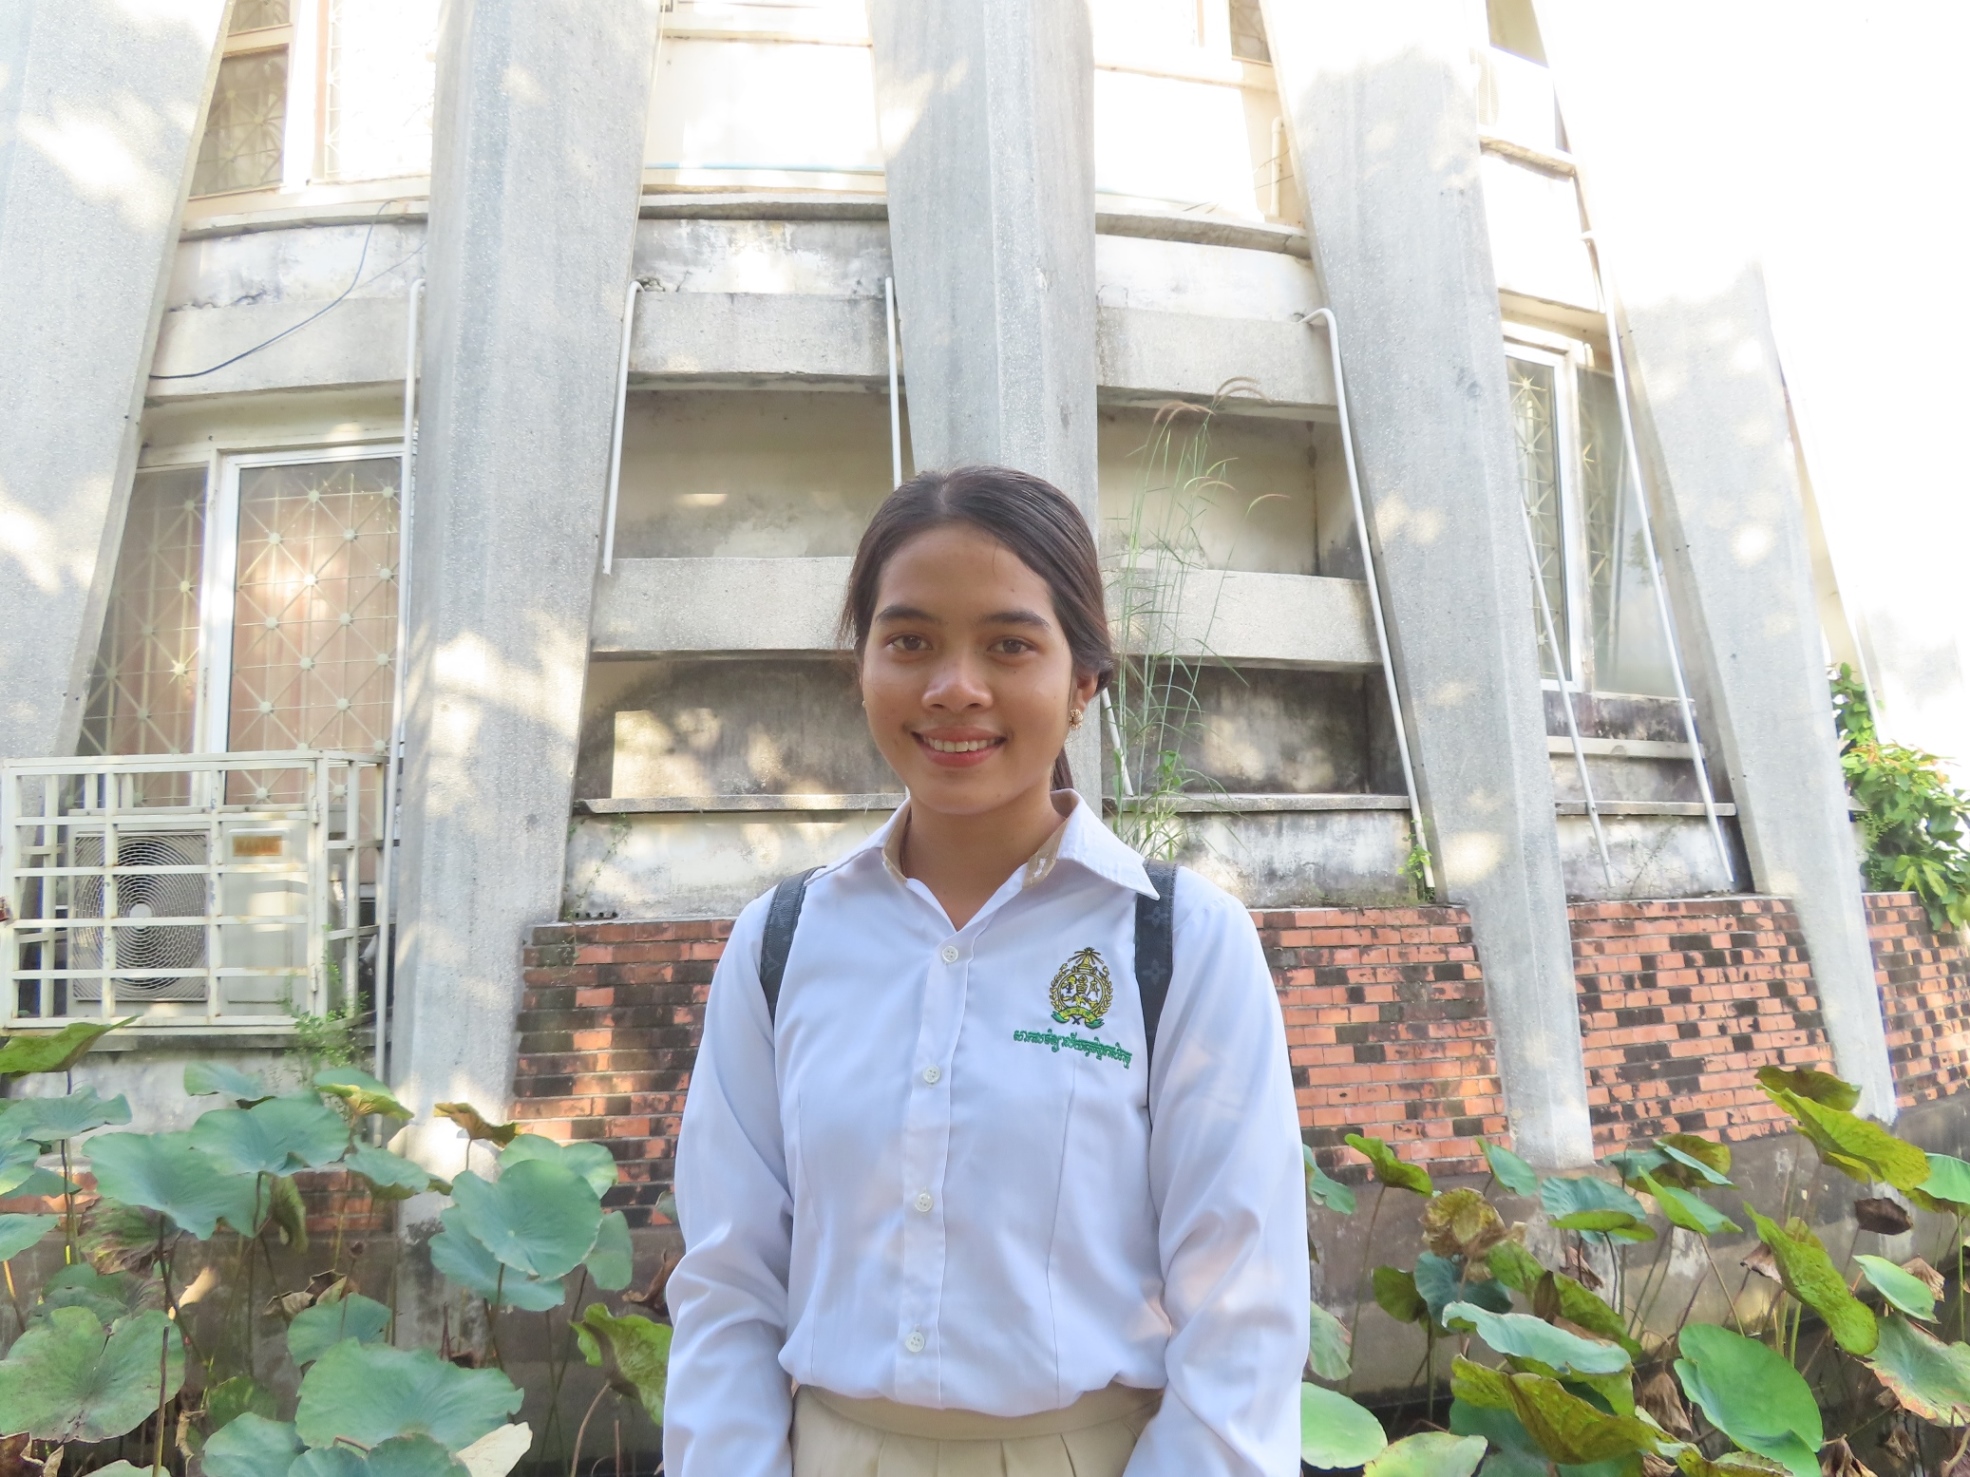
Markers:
257,15
143,691
381,73
315,606
1581,495
1248,32
1535,423
241,149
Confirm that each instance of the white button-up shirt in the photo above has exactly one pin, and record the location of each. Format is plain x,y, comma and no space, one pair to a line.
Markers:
935,1178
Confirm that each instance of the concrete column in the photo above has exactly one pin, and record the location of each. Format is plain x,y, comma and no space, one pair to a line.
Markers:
101,102
1380,102
986,114
1720,462
536,179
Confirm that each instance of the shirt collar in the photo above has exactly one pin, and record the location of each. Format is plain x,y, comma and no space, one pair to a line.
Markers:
1081,838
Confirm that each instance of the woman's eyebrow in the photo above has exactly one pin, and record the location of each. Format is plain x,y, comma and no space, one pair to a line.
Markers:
907,613
1017,618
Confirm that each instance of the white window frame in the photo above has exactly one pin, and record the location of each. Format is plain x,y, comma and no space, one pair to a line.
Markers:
218,595
303,39
1567,358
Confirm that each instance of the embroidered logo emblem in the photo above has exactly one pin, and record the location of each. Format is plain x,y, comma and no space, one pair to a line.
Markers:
1082,991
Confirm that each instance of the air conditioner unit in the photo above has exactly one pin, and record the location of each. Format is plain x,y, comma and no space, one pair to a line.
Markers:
143,891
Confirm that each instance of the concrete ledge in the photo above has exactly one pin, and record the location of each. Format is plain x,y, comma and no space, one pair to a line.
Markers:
650,607
1151,353
784,335
850,804
360,343
1618,748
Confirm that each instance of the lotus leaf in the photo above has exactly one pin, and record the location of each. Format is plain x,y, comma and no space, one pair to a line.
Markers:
610,1263
632,1352
1632,1164
53,1051
1903,1290
123,1469
360,1094
1429,1454
391,1176
1858,1148
462,1257
1816,1087
1335,1432
204,1079
368,1393
1323,1190
167,1173
540,1218
19,1232
279,1136
1461,1223
1568,1429
1328,1345
230,1399
41,1184
1704,1159
48,1120
1687,1210
1928,1376
351,1316
1396,1295
1513,1451
1809,1275
469,1118
589,1160
1441,1282
1947,1189
1519,1336
1731,1464
401,1456
70,1379
251,1445
1389,1168
107,1297
1752,1395
17,1165
1509,1170
1882,1216
1572,1201
497,1452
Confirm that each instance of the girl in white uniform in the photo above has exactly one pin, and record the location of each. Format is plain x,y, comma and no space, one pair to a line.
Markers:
945,1211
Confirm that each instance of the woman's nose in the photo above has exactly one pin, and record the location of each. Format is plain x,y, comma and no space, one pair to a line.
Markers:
957,683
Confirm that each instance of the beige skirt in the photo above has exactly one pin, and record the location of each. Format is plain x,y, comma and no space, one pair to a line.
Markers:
834,1436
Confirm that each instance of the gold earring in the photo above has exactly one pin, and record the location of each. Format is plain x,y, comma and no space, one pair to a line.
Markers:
1074,718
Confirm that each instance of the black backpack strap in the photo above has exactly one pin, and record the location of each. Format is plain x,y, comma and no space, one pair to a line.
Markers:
781,920
1155,949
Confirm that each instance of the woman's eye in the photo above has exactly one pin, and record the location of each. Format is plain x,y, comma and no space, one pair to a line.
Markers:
1011,646
907,642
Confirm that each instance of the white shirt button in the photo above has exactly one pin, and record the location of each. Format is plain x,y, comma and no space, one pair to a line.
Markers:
923,1201
915,1342
949,953
931,1075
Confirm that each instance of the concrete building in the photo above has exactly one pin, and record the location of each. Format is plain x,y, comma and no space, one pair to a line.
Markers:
486,400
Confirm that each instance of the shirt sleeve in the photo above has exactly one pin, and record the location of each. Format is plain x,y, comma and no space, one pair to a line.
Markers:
1226,1179
728,1407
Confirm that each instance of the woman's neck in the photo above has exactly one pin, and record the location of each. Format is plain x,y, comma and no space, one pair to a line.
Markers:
964,859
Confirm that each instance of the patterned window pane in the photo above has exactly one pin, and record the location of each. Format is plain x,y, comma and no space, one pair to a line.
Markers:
143,691
1534,417
243,129
315,607
256,15
381,73
1248,32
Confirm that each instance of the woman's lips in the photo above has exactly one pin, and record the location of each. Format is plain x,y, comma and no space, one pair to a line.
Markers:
958,752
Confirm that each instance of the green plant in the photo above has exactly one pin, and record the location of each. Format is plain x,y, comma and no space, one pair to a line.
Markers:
1558,1370
1163,625
331,1039
111,1357
1913,819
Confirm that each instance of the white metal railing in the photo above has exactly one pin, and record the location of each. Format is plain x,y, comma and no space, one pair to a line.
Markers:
192,890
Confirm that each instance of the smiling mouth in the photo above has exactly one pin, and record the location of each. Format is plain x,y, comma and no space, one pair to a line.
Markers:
959,746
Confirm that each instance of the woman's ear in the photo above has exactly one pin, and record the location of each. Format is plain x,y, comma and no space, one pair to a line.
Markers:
1086,686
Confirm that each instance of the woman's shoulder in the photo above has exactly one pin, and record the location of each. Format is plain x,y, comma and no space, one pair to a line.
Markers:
1205,914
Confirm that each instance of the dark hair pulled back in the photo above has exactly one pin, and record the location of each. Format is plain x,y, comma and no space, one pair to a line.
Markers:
1031,517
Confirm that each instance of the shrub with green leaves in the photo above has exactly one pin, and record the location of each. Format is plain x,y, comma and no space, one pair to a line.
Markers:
102,1360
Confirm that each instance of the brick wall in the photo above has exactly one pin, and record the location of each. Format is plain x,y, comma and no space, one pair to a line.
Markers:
1924,998
1680,1003
1388,1033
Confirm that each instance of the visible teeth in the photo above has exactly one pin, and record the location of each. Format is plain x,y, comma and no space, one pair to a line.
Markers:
964,746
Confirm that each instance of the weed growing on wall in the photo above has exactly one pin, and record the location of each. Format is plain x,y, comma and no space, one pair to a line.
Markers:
1912,818
159,1339
1569,1365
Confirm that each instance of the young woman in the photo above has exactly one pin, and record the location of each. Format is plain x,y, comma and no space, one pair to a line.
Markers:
945,1209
